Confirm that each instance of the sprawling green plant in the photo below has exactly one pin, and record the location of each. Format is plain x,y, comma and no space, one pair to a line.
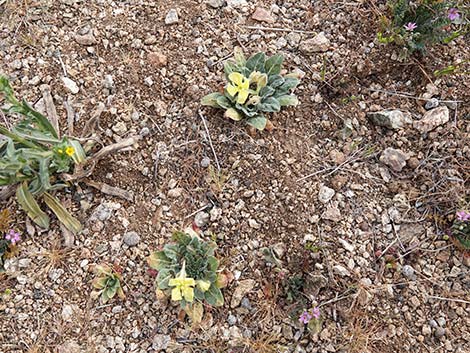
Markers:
33,157
107,283
188,272
461,230
414,25
255,86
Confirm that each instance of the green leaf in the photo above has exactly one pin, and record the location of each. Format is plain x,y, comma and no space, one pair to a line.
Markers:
214,296
211,100
266,91
288,100
171,251
270,105
273,65
163,278
224,102
275,81
30,206
289,83
229,67
256,62
213,263
158,260
239,56
79,156
233,114
258,122
62,214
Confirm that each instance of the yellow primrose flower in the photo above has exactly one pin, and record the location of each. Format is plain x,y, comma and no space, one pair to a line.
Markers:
240,84
184,287
69,151
203,285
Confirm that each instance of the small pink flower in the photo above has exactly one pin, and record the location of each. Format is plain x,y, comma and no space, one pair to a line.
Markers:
463,216
305,317
453,14
316,312
410,26
12,236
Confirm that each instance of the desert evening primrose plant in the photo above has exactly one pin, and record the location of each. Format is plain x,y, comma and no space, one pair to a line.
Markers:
414,25
188,273
107,283
32,158
254,87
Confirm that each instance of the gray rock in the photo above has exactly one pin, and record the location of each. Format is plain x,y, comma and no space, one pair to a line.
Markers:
441,321
440,332
317,44
175,193
131,238
395,159
120,128
201,219
432,119
171,17
215,3
391,119
69,347
160,342
408,272
205,162
232,320
340,270
431,104
325,194
104,211
108,82
294,38
70,85
433,323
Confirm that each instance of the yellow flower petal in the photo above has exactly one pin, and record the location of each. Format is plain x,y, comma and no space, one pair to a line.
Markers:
173,282
232,90
188,294
236,77
203,285
176,294
242,96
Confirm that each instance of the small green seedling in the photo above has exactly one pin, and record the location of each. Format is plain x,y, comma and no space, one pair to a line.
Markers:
255,87
107,283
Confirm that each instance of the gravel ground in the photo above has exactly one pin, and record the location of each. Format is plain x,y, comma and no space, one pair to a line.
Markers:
350,199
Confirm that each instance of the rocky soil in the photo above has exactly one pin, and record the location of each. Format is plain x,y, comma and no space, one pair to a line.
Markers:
351,191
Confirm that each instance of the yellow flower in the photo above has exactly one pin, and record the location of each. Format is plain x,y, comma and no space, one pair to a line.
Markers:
69,151
203,285
184,287
60,151
241,85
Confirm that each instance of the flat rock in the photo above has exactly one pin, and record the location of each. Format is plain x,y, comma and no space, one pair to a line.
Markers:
391,119
243,288
215,3
160,342
171,17
332,213
157,59
317,44
236,3
85,39
325,194
432,119
70,85
69,347
263,15
395,159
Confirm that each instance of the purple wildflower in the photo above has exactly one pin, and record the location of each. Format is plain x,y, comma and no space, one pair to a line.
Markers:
410,26
316,312
13,236
453,14
305,317
463,216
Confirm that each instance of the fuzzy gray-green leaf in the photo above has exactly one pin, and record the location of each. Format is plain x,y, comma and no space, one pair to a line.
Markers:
62,214
31,207
258,122
270,105
288,100
273,64
256,62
